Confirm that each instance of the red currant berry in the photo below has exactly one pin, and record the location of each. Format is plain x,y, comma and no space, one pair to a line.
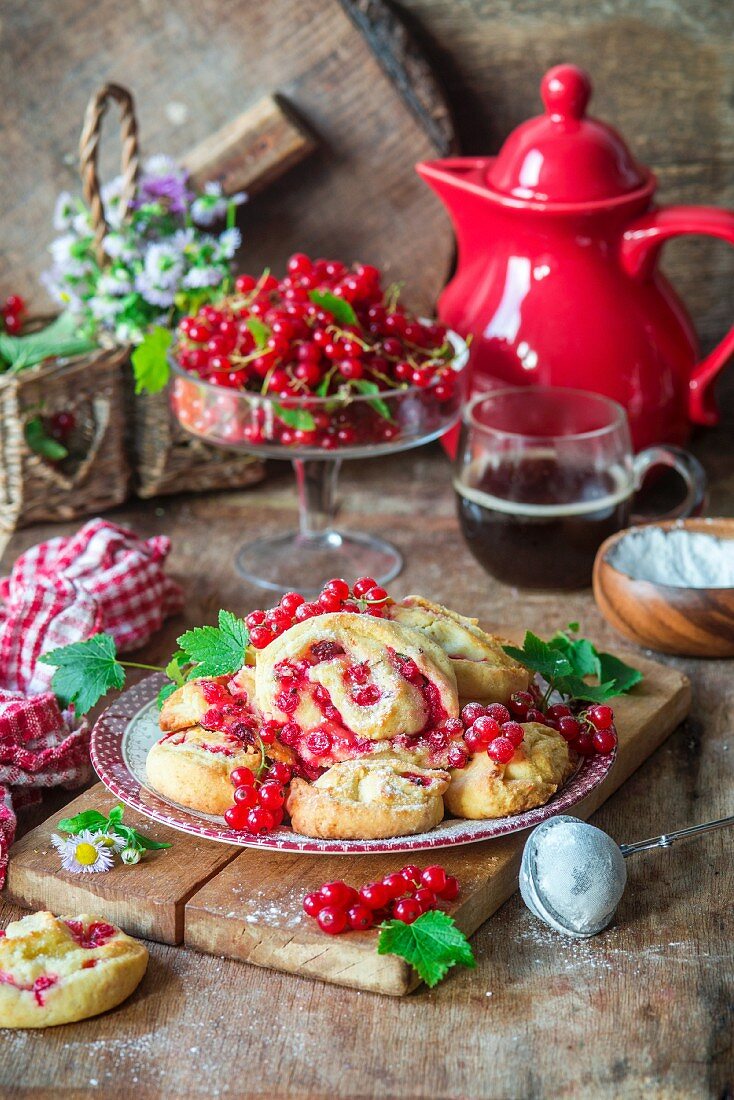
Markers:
600,716
569,728
272,795
290,601
535,715
514,732
313,904
255,618
246,796
260,820
14,304
407,910
499,712
13,323
558,711
339,587
520,703
411,875
426,898
236,817
470,713
329,601
339,894
363,585
394,884
486,729
605,741
376,594
241,777
280,772
375,895
451,890
501,750
456,757
360,918
454,727
584,745
260,636
434,877
243,284
332,920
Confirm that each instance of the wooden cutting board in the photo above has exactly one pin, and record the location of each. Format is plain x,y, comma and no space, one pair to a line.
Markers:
248,906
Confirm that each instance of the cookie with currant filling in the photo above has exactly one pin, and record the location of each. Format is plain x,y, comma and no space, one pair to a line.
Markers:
486,789
187,705
484,672
192,767
344,685
372,798
55,970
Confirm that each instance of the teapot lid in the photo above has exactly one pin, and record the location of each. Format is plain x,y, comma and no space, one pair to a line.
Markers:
564,156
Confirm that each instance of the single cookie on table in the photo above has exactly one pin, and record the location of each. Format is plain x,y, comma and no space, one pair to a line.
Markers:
372,798
188,704
484,672
55,970
486,789
340,683
192,767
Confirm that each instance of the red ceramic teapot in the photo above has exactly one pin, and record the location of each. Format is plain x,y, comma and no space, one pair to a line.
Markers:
557,279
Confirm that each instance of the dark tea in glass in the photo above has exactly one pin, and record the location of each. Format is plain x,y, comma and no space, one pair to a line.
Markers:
543,477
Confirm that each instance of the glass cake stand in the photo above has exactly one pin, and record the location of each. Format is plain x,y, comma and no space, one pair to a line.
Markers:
273,427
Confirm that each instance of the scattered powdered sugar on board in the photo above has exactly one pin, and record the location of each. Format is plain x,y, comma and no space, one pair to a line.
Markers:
675,557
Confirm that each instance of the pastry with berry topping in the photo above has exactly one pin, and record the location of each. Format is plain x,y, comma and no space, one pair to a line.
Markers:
483,670
55,970
188,704
373,798
489,788
192,767
342,684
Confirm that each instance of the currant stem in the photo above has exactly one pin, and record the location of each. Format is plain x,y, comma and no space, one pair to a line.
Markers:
148,668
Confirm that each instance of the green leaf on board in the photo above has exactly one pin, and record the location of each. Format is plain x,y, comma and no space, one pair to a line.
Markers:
150,361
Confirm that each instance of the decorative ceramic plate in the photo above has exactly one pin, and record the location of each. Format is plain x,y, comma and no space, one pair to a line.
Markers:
126,731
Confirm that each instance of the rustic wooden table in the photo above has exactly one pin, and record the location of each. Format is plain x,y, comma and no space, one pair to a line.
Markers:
645,1008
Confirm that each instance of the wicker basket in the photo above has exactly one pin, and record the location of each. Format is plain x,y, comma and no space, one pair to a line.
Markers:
96,474
165,458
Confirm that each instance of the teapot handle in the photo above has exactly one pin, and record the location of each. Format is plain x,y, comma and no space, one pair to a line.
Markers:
641,244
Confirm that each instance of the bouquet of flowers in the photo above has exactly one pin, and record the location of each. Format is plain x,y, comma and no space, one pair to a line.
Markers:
162,260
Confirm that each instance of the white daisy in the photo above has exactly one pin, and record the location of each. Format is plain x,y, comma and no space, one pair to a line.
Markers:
84,853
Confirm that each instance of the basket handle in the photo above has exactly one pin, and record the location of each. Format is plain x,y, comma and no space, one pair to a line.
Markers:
88,147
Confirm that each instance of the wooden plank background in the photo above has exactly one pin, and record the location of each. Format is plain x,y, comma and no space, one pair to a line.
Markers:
663,69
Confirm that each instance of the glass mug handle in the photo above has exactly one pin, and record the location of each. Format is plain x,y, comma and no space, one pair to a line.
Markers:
688,468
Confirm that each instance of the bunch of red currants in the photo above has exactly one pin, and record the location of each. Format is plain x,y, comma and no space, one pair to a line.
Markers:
403,895
13,311
364,597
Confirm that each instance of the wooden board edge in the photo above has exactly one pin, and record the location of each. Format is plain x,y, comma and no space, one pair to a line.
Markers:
391,976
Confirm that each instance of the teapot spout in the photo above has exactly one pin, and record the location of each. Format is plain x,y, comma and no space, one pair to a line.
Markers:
460,184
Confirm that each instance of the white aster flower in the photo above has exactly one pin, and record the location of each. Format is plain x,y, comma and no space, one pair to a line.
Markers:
211,206
104,309
199,277
163,266
229,241
115,282
85,853
81,224
129,334
64,211
161,165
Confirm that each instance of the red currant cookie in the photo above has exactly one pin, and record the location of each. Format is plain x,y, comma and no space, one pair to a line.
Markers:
368,799
188,704
486,789
483,670
55,970
341,684
193,766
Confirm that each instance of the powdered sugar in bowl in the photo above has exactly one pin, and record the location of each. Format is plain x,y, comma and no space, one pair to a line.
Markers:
670,586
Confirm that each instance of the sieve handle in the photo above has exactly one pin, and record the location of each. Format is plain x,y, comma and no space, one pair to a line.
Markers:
668,839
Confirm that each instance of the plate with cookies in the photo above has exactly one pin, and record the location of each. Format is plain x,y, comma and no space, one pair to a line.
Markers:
355,723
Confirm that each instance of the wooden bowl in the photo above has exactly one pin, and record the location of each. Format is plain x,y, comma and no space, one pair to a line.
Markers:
689,622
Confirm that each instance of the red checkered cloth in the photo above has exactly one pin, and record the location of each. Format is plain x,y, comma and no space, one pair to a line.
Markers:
37,749
103,579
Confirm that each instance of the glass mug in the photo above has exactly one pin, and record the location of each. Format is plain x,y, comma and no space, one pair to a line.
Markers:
543,475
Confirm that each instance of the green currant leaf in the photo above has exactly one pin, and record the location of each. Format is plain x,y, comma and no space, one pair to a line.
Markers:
625,677
60,339
259,330
541,657
432,945
85,671
165,692
363,385
41,443
590,693
296,418
339,308
150,361
217,651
